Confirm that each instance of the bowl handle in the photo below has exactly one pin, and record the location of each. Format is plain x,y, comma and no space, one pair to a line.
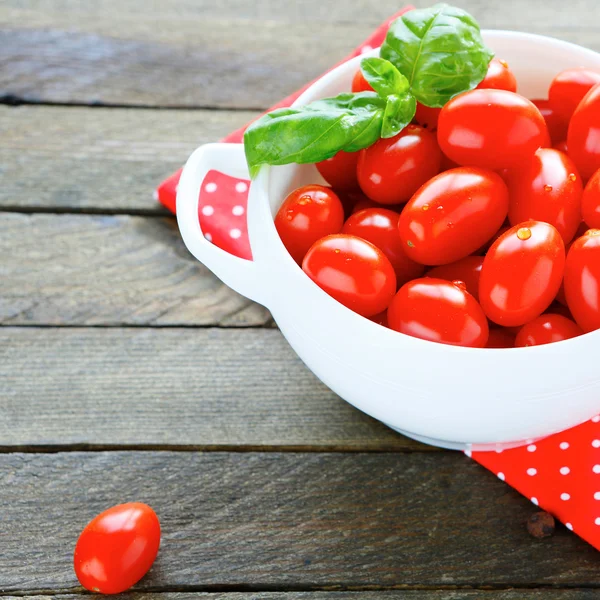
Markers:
240,274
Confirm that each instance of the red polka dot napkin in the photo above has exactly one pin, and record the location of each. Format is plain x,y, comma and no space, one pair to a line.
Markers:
560,474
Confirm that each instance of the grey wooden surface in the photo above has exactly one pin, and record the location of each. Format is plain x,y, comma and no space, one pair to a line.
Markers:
128,372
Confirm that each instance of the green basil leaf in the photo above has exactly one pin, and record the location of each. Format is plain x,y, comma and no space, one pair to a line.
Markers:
399,112
439,50
315,132
383,76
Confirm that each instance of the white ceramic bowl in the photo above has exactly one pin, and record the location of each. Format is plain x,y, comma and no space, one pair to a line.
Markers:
444,395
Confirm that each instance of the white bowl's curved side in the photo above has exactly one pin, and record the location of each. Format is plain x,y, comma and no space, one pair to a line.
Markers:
456,395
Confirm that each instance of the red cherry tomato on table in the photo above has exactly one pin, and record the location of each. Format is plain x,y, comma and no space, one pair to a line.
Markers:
392,170
360,84
340,171
427,116
117,548
494,129
439,311
546,329
557,125
500,338
353,271
499,77
467,270
582,280
584,134
568,89
306,215
522,273
590,202
453,215
380,227
546,187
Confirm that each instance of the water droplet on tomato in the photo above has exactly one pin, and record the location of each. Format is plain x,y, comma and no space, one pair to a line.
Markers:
348,259
304,200
592,232
548,187
410,244
460,284
450,224
425,207
337,250
573,177
440,207
524,233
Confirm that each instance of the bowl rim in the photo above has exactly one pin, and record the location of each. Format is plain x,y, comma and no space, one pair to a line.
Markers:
259,197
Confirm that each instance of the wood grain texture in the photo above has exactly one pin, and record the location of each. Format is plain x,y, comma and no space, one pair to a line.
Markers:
276,520
99,159
226,54
181,387
109,270
529,594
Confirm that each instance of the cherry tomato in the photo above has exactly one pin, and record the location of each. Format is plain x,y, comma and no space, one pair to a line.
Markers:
392,170
584,134
568,89
380,318
499,77
306,215
353,271
427,116
546,187
340,171
590,202
117,548
561,146
494,129
483,250
360,84
546,329
521,273
557,125
582,280
453,215
466,270
500,338
380,227
439,311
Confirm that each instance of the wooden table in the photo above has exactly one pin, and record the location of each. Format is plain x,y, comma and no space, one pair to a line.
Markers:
128,372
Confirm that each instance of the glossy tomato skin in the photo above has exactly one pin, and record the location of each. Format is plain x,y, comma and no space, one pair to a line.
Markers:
438,311
522,273
353,271
568,89
360,84
483,250
547,329
493,129
582,280
500,338
499,77
583,139
380,227
117,548
427,116
306,215
453,215
340,171
392,170
557,125
467,270
547,187
590,202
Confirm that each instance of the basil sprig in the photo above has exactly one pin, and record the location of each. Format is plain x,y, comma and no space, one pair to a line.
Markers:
429,55
439,50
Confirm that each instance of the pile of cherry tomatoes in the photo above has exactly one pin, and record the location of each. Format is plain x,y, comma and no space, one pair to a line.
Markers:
478,225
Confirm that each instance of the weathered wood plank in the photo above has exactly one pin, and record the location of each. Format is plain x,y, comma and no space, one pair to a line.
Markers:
236,54
530,594
277,520
99,159
179,387
115,270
